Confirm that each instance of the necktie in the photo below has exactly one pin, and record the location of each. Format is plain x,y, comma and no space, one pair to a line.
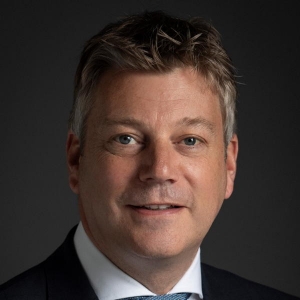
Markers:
180,296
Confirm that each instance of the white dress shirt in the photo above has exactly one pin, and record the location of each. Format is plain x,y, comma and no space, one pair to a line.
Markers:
110,283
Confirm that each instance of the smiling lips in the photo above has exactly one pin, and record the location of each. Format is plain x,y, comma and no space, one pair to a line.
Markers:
157,198
158,207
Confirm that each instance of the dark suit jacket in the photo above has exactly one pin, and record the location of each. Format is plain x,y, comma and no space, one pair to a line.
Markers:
61,277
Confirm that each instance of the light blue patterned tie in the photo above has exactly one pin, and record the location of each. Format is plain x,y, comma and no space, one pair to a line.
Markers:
180,296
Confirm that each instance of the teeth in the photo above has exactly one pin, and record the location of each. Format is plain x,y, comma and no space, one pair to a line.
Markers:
158,207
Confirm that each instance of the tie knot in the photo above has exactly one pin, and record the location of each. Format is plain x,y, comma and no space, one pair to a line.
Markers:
180,296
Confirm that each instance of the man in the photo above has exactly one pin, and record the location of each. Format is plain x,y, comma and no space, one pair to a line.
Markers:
151,153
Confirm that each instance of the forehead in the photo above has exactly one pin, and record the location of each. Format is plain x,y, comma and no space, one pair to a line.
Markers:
181,93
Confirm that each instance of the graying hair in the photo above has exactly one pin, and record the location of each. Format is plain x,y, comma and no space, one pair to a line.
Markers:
155,42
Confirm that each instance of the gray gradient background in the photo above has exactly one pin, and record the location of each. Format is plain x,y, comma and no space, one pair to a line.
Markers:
256,235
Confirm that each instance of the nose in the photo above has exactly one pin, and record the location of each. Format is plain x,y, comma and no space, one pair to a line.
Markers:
159,163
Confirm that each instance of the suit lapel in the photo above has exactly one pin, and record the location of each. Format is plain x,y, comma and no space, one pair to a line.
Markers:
66,278
210,288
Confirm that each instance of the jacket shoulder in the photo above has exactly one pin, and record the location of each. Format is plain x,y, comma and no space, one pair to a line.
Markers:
59,277
231,286
28,285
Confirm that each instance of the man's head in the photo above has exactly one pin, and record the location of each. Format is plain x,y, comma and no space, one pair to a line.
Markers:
155,97
154,42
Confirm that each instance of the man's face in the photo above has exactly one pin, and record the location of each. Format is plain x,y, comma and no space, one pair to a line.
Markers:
152,175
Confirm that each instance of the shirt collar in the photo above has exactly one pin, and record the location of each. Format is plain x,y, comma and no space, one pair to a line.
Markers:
104,276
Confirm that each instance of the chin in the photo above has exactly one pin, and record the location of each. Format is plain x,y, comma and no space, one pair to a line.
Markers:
163,247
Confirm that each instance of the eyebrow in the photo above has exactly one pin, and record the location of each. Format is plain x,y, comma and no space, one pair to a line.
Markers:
198,122
123,121
190,122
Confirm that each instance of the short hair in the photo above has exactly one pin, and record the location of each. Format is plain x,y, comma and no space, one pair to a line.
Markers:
155,42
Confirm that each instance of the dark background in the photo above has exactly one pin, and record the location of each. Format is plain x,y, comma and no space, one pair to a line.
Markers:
256,234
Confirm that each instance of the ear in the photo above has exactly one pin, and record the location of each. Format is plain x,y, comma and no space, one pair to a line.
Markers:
231,164
73,159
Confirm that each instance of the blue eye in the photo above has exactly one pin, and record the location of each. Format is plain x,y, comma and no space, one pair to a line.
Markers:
190,141
125,139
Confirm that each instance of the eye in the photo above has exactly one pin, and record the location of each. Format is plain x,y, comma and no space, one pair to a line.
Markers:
125,139
190,141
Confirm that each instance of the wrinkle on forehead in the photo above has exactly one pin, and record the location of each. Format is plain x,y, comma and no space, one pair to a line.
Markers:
122,95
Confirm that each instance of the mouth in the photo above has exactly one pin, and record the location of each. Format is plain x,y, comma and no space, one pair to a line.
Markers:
158,207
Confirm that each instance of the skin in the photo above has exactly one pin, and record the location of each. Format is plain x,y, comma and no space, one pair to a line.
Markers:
152,139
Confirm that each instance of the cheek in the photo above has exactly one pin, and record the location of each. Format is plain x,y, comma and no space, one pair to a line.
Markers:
207,178
106,180
206,174
102,181
117,172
